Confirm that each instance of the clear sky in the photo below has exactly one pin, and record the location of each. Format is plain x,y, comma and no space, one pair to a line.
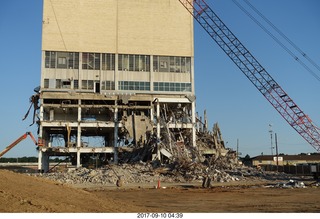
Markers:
221,88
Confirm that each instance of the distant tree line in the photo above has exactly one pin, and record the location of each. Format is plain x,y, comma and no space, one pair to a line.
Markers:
24,160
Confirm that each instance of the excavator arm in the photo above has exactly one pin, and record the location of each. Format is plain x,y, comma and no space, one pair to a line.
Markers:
253,70
24,136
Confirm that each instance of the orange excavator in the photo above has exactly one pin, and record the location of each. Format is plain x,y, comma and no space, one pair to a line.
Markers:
24,136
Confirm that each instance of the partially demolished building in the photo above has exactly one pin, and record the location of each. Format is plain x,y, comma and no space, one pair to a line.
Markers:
115,74
117,84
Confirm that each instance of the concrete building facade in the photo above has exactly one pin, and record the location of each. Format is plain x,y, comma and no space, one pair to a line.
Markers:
114,73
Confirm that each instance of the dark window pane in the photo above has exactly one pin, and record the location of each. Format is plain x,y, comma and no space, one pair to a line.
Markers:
96,61
47,59
53,60
76,60
155,63
131,62
46,83
85,60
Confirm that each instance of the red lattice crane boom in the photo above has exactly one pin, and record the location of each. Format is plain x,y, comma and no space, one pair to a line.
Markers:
253,70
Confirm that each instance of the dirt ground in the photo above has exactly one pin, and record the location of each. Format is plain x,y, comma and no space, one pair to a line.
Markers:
22,193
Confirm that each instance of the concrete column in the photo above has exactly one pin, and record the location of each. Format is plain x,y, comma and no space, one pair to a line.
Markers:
78,146
79,126
158,129
41,136
151,113
194,138
158,119
45,162
41,112
79,135
40,169
78,158
41,119
115,140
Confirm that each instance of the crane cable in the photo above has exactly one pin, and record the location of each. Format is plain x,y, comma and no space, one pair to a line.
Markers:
280,43
287,39
283,35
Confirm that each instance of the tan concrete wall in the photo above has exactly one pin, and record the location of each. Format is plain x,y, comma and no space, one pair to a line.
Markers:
266,162
172,77
151,27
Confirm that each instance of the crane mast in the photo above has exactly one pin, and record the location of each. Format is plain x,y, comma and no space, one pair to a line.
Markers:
253,70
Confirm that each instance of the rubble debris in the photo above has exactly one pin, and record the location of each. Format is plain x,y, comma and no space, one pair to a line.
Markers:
171,159
119,182
290,184
315,184
206,183
175,150
148,173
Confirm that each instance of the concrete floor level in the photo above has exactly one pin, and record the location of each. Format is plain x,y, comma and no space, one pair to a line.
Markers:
79,125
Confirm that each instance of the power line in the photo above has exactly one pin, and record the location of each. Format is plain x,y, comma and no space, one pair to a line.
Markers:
283,35
278,41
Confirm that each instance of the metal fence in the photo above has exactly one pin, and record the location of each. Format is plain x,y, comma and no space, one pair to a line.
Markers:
292,169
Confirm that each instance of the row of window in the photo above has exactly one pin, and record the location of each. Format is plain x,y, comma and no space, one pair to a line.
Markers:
169,86
106,61
133,62
94,60
69,60
123,85
89,85
134,85
172,64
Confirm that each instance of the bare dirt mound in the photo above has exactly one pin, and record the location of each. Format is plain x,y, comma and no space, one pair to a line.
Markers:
22,193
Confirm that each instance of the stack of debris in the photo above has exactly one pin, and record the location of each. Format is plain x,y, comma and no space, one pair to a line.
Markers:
172,158
150,173
111,174
169,159
175,155
139,173
290,184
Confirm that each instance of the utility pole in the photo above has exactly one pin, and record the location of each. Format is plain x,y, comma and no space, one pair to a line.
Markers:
270,131
276,139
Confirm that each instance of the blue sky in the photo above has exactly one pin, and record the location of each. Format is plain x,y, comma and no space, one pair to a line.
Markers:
221,88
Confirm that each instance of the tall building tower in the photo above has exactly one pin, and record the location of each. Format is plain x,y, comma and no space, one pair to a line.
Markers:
114,73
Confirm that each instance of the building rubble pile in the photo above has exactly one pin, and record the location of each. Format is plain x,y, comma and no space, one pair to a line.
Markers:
130,173
144,173
290,184
171,159
175,157
186,164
